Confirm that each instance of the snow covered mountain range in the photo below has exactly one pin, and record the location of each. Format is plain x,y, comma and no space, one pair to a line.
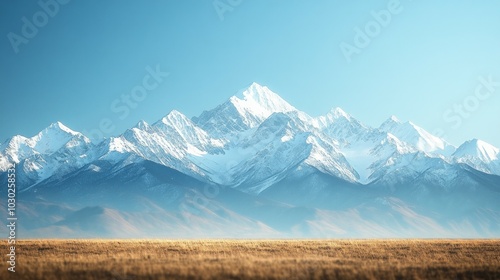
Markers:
256,165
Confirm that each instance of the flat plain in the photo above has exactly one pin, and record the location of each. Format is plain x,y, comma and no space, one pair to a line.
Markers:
256,259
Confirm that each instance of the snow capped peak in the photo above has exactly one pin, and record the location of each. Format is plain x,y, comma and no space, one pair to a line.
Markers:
57,139
417,137
261,99
479,155
175,119
479,142
175,114
58,126
119,144
54,137
390,123
16,140
142,125
484,144
341,126
394,119
55,130
247,109
476,148
335,115
338,113
255,85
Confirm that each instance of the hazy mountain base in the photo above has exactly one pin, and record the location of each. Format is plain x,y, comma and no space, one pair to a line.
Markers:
148,200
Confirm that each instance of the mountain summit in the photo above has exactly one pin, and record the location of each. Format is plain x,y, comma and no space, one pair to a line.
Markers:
247,109
260,100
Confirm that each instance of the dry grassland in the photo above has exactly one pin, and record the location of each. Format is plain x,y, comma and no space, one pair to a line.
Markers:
256,259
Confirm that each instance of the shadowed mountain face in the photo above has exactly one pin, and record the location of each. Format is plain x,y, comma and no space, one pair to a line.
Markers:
254,166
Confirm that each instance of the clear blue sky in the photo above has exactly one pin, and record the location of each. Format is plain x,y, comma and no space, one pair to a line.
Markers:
425,60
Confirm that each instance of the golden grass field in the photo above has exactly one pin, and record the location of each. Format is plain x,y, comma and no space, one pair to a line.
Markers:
256,259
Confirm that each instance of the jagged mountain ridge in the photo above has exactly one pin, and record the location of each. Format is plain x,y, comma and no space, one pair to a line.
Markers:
226,144
222,145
